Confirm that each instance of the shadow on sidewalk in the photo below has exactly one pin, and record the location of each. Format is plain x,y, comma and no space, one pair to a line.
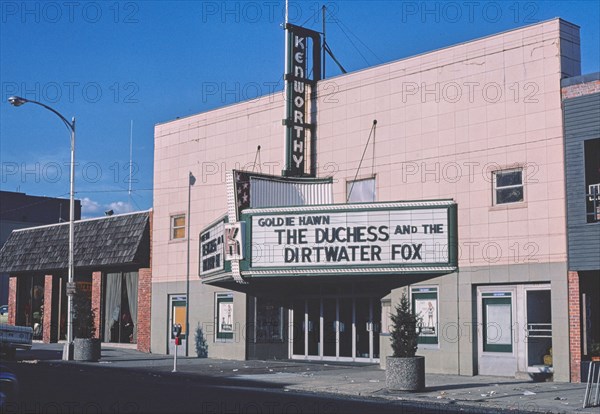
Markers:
469,385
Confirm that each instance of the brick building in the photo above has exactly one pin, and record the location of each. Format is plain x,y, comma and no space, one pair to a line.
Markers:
112,268
19,210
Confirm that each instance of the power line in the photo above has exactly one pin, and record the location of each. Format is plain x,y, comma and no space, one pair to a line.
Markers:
359,39
345,30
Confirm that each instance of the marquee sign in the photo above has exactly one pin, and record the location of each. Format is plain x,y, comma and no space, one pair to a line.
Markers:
212,248
355,238
297,79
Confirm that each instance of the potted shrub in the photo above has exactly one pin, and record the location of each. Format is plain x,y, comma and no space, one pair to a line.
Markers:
85,346
201,344
403,370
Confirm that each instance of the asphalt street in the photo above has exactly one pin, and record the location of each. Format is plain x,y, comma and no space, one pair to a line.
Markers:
128,381
90,388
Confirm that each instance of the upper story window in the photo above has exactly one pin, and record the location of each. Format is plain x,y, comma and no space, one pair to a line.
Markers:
591,149
361,191
178,226
508,186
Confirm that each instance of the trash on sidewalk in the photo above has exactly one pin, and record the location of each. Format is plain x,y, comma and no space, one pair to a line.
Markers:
560,398
528,393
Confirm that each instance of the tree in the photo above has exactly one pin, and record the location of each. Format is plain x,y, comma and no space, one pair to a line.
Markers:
405,332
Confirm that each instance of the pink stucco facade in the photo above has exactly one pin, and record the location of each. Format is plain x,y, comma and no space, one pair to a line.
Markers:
446,120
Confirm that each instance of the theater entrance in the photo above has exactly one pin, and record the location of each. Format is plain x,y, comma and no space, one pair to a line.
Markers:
336,328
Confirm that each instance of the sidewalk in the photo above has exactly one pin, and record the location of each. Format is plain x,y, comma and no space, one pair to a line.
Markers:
474,394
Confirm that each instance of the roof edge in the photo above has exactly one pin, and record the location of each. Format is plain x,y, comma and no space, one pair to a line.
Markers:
577,80
82,221
372,67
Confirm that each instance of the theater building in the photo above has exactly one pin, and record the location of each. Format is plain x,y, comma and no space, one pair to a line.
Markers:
440,175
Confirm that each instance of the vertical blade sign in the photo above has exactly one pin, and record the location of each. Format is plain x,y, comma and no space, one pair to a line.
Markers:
298,104
297,78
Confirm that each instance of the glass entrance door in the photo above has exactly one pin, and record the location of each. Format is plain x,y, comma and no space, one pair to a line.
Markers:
363,348
314,327
375,326
330,339
178,309
336,328
539,331
298,330
345,325
497,344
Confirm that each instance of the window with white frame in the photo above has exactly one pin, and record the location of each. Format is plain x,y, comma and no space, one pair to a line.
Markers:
361,191
178,226
508,186
591,151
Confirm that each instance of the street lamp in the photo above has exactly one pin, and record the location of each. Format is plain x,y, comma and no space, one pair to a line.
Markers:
18,101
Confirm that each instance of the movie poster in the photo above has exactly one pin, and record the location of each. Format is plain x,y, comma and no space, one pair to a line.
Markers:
427,309
225,317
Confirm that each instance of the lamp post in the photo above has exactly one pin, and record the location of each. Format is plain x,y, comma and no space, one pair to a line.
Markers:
191,182
18,101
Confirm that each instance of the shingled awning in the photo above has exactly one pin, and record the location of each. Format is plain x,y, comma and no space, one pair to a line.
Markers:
108,241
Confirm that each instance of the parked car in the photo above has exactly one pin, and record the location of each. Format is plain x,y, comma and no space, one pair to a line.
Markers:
9,387
13,338
4,314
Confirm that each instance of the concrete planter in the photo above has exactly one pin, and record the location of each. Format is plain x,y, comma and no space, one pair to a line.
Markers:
86,349
405,374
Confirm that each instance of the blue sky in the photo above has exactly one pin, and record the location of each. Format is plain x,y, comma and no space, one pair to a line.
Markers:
110,63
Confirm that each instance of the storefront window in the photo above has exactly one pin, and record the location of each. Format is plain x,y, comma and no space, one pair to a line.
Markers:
30,306
120,307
